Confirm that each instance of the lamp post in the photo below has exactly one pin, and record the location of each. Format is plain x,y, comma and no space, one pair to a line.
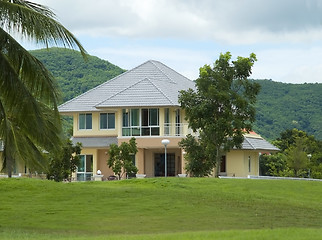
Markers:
309,156
165,142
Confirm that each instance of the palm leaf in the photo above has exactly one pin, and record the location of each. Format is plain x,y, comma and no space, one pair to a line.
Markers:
36,22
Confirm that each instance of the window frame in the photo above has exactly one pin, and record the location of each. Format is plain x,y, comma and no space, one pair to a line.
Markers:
85,120
107,121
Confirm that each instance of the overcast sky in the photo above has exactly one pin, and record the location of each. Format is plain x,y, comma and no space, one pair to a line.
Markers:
286,35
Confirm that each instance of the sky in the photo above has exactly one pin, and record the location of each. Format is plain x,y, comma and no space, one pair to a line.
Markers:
285,35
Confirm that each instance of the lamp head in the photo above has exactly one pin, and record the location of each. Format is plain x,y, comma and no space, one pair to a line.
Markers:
165,142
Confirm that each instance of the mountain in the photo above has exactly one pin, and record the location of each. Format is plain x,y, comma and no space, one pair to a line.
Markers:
280,106
74,74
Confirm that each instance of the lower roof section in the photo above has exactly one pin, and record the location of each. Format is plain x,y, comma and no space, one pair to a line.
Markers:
95,142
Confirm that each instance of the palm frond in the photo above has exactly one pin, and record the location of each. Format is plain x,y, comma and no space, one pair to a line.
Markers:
36,22
30,70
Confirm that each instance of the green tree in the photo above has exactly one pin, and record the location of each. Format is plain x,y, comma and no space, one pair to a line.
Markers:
29,119
121,158
221,108
297,158
197,164
63,163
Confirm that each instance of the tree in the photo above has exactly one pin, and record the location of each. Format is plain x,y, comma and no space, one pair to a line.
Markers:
297,158
121,158
197,162
29,119
221,108
63,163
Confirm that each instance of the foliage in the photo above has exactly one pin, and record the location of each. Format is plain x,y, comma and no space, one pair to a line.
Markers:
197,164
155,207
63,163
282,106
74,75
273,165
279,106
29,119
121,158
221,108
300,156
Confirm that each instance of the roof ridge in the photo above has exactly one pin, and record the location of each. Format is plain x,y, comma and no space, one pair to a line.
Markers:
160,90
153,62
249,143
106,82
119,92
134,85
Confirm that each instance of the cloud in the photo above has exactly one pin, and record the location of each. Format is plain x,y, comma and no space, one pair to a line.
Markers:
234,21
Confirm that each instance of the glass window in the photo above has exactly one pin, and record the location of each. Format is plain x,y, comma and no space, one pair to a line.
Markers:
107,121
166,115
154,117
111,121
85,168
103,121
125,118
85,121
135,118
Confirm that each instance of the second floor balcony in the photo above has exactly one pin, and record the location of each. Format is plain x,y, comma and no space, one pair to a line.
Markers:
168,129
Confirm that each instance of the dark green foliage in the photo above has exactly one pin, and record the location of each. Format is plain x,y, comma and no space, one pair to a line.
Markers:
197,164
75,75
121,158
300,156
63,163
221,108
282,106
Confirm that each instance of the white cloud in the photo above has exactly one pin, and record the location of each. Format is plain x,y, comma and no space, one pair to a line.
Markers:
285,35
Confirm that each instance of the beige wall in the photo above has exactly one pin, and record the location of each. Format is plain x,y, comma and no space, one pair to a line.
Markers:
95,131
237,163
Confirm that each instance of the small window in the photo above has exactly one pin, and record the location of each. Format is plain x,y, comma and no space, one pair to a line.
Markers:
107,121
249,164
85,121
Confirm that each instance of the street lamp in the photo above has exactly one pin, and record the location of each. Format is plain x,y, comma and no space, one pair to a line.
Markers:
309,156
165,142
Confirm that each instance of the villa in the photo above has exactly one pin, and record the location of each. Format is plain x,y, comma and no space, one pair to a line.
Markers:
143,103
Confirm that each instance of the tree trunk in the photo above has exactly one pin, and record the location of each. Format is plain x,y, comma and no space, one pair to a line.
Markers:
9,166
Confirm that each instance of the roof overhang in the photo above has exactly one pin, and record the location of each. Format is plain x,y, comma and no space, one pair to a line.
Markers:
95,142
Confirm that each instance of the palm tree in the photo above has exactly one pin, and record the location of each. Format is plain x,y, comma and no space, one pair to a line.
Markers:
29,118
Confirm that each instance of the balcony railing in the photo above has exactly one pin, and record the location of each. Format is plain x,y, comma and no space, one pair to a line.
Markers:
177,129
169,129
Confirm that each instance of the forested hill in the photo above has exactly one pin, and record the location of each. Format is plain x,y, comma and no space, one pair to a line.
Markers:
74,74
284,106
280,106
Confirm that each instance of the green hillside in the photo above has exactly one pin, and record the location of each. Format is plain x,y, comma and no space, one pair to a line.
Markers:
284,106
161,208
280,106
73,73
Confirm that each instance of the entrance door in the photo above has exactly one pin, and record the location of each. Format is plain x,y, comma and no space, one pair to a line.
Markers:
159,164
85,168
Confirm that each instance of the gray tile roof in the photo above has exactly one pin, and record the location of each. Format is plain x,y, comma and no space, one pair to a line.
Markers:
95,142
258,143
150,84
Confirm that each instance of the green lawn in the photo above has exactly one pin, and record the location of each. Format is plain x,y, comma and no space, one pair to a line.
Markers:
159,208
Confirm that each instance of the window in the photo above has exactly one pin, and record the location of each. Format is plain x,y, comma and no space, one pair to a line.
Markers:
85,121
166,121
85,168
107,121
140,122
249,164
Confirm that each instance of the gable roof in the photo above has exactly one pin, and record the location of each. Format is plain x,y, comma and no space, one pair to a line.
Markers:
253,141
149,84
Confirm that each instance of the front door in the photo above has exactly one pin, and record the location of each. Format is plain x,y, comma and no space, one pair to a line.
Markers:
159,164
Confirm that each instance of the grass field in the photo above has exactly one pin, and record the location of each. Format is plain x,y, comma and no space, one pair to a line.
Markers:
159,208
